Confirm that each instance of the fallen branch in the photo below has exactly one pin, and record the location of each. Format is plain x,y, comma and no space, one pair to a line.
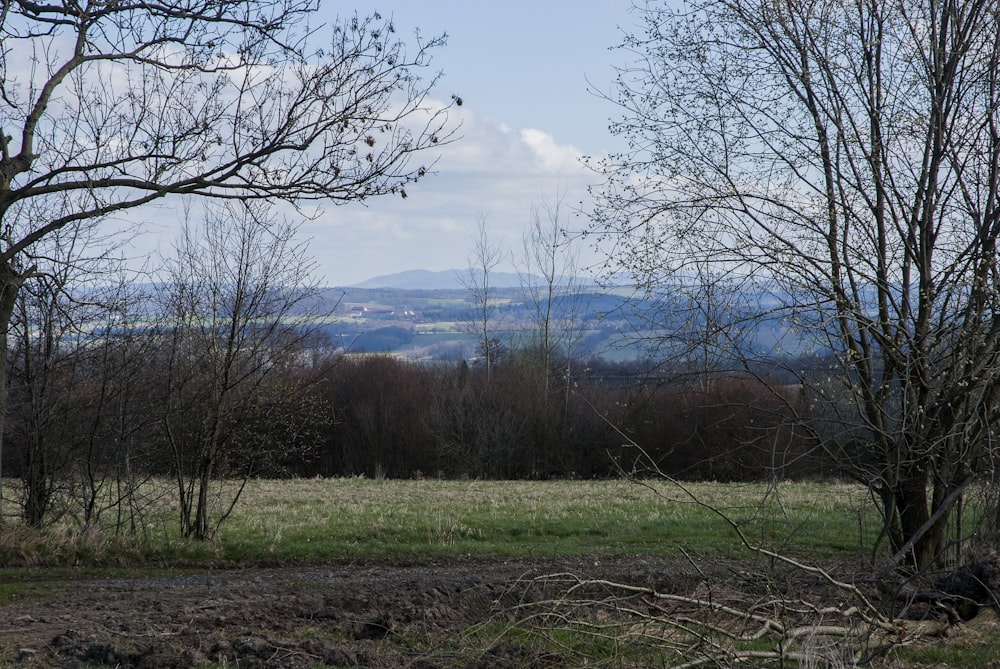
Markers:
703,630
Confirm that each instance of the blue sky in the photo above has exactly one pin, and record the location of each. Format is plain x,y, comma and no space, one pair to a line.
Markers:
522,69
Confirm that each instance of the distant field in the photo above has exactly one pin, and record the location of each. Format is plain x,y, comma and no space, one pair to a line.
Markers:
350,518
316,520
449,328
450,302
423,338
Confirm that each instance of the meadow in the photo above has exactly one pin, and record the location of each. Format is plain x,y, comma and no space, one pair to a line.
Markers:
317,520
405,519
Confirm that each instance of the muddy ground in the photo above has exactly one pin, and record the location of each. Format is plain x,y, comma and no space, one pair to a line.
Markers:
345,615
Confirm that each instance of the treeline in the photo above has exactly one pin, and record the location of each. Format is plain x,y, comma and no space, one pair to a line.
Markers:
107,416
518,421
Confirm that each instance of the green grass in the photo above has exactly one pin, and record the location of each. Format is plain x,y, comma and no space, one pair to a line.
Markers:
983,653
311,520
316,520
20,589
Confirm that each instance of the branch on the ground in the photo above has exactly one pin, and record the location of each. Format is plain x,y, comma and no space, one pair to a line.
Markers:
718,628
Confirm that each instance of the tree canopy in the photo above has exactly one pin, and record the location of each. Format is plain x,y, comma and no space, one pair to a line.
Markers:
108,105
842,159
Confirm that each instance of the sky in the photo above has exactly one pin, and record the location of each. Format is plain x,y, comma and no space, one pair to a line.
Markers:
527,72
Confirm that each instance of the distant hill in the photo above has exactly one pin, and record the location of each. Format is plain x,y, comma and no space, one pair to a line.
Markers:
450,279
422,279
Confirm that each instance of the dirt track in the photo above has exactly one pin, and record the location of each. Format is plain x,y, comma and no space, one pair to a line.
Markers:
344,615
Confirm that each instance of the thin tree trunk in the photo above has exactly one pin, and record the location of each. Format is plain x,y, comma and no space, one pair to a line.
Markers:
10,285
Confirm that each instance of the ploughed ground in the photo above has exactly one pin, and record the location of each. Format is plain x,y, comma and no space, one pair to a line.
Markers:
427,614
378,615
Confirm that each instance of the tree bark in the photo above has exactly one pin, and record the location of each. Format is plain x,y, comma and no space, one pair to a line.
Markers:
10,285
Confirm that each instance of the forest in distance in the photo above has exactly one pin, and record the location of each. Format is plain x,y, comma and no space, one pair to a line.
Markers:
378,416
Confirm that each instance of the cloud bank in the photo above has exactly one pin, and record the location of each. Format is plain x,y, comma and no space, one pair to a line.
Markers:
492,170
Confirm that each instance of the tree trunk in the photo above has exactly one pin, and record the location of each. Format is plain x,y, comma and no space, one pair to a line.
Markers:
10,285
37,488
201,532
911,500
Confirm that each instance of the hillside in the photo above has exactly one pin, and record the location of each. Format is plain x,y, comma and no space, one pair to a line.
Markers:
411,318
438,324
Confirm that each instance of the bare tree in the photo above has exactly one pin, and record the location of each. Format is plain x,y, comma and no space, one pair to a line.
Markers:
234,318
478,280
110,415
108,106
60,327
549,271
845,160
43,374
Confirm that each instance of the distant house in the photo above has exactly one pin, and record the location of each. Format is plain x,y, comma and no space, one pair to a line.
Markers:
360,310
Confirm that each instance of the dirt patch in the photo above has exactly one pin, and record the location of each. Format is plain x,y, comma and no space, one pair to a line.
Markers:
343,615
423,616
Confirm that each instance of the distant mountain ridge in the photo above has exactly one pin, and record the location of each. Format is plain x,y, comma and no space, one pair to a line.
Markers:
422,279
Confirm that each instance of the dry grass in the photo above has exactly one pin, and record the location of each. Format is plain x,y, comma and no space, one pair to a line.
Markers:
311,520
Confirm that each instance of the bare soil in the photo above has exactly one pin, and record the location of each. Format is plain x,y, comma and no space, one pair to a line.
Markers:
343,615
348,615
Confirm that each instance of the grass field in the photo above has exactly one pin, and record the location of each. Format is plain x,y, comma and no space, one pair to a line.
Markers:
314,520
343,518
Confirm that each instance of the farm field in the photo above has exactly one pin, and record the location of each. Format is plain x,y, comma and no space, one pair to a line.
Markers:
427,573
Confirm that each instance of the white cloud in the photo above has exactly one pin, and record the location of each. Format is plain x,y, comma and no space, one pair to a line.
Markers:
553,157
493,170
